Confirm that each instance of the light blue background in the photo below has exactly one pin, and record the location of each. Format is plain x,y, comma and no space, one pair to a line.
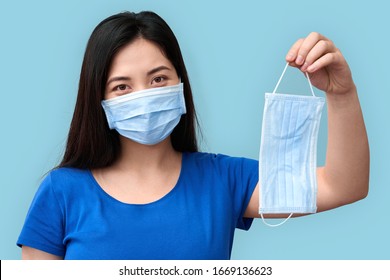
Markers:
234,52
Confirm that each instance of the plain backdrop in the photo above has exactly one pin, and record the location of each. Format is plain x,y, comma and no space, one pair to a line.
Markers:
234,52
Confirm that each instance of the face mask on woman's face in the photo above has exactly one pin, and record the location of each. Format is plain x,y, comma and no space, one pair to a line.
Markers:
147,116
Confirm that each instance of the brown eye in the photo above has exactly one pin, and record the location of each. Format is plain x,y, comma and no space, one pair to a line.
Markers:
121,88
158,80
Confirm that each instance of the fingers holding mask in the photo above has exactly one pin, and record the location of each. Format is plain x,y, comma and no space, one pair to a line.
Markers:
311,53
317,55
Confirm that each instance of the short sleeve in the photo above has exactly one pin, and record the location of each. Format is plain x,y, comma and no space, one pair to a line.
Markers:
249,178
43,228
243,176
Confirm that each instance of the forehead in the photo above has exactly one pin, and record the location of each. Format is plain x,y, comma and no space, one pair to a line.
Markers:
138,56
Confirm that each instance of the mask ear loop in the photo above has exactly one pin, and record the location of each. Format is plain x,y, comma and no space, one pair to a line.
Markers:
281,77
311,87
274,225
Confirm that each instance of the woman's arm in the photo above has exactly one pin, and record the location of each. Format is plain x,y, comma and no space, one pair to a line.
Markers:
29,253
345,176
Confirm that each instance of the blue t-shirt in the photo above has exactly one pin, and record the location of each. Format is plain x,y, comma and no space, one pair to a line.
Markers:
73,217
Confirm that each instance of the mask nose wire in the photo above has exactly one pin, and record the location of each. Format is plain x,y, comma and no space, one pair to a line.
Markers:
281,77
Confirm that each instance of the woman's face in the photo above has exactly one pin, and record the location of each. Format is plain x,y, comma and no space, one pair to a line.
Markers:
137,66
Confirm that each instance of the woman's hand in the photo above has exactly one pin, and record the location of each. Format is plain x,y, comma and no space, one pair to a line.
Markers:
327,67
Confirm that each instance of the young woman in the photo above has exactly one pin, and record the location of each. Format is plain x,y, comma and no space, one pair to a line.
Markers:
132,184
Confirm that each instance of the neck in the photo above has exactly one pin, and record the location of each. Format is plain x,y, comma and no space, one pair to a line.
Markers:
136,156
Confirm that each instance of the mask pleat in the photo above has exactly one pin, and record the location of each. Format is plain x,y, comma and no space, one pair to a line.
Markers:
289,163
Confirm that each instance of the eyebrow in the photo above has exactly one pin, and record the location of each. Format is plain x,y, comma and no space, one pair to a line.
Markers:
150,72
157,69
116,79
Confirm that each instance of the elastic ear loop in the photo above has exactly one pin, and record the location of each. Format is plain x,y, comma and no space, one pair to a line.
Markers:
274,91
281,77
275,225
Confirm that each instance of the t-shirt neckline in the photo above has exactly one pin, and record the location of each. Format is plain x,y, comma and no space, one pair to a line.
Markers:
160,200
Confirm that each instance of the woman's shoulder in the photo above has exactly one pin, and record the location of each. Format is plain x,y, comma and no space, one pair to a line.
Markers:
219,161
68,173
215,157
65,179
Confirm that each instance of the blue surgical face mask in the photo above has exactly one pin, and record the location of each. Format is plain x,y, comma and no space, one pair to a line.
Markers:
147,116
287,161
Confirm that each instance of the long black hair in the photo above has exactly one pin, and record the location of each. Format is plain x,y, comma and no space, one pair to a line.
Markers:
91,144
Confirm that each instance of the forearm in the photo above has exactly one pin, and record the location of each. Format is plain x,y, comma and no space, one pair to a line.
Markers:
346,171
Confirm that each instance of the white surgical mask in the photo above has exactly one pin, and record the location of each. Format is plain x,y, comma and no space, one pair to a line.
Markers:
288,149
147,116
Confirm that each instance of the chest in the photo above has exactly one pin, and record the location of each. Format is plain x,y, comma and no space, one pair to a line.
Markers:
181,225
137,189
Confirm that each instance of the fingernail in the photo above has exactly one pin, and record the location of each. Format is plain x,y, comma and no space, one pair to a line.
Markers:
289,57
299,60
304,66
311,68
